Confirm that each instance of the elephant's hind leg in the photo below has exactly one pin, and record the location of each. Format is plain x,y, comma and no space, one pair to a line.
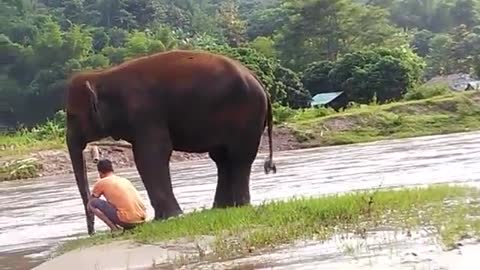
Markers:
223,192
152,156
241,157
240,182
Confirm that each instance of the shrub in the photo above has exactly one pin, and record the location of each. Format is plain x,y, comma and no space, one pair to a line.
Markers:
19,169
315,77
427,91
281,113
383,73
312,113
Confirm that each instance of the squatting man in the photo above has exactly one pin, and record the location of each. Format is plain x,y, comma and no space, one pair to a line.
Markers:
123,207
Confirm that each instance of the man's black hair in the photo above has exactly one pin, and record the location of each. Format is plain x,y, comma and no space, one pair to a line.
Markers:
104,166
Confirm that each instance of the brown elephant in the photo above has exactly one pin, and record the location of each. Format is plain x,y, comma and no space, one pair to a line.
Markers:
181,100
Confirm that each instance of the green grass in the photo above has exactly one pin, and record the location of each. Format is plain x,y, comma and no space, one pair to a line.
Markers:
237,231
19,144
49,135
438,115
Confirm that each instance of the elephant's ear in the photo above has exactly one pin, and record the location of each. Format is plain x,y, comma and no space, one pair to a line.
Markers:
93,95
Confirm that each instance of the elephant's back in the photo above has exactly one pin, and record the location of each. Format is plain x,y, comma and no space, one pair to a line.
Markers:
175,63
184,77
205,97
197,81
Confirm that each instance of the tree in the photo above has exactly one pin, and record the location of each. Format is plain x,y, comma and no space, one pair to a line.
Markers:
465,12
465,47
264,45
266,22
297,95
283,85
421,43
438,60
316,78
233,27
10,52
326,29
386,74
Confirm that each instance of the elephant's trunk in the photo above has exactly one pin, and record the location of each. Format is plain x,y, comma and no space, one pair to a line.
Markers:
75,149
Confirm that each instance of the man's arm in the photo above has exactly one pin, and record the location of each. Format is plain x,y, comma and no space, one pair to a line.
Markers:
97,190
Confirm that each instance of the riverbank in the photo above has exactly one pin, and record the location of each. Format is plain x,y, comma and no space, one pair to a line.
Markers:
56,161
213,236
455,112
24,157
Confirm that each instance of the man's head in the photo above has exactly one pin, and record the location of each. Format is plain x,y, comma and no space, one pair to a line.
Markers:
104,167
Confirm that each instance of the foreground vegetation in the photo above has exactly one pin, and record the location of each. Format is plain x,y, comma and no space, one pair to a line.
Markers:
452,214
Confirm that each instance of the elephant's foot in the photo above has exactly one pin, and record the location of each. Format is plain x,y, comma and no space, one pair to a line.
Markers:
222,203
162,213
242,200
236,192
223,194
166,208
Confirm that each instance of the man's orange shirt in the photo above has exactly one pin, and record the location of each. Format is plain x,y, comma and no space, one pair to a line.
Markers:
124,196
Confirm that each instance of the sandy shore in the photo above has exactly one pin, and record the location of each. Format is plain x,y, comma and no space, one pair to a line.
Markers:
385,250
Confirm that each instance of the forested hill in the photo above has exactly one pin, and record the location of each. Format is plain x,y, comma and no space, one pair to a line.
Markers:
292,44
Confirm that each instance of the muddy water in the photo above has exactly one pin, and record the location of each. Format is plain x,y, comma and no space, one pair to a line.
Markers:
38,214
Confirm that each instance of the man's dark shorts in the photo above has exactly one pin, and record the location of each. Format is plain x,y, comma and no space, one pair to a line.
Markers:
110,211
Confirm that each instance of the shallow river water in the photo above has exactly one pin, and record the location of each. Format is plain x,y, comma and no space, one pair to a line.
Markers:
38,214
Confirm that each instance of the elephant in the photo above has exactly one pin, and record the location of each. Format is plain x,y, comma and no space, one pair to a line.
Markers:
180,100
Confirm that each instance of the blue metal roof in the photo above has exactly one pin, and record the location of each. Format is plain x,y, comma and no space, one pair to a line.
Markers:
324,98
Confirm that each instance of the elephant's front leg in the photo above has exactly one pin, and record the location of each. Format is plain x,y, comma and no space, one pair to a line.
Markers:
152,155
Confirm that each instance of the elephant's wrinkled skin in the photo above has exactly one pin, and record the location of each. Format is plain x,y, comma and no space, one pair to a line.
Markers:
188,101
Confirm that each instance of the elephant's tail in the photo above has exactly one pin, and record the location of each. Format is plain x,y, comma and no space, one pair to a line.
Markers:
269,165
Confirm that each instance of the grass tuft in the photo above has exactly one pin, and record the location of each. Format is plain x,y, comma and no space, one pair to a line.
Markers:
19,169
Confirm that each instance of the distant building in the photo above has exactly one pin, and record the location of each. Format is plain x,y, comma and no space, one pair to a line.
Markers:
335,100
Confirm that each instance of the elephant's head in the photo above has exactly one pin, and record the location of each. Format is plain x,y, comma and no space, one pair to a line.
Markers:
85,122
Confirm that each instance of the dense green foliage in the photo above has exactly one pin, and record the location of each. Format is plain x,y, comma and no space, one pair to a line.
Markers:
384,74
363,47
